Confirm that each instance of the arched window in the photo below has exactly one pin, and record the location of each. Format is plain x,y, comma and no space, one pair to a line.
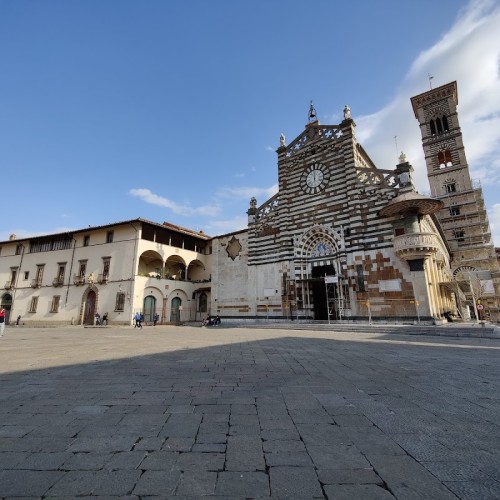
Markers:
441,159
439,126
445,124
433,127
447,158
450,187
120,301
444,159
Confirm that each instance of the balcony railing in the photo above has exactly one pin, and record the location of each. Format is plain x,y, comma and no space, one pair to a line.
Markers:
36,283
8,285
415,245
78,279
102,279
58,281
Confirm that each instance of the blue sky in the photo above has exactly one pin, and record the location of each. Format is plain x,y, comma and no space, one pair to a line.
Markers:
172,110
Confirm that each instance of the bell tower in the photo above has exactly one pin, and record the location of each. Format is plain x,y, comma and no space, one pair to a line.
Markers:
463,215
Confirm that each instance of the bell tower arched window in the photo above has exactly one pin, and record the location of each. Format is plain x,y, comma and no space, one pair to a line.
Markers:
439,125
450,187
445,124
444,159
441,159
433,127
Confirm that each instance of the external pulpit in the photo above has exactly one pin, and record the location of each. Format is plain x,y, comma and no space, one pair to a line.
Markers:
414,243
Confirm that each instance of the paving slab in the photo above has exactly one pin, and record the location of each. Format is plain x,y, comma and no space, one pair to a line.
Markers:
188,413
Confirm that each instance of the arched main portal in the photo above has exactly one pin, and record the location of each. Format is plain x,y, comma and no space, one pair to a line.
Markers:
175,311
149,308
90,308
319,253
322,296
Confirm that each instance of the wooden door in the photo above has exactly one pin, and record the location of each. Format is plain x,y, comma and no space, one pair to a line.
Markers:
89,315
175,313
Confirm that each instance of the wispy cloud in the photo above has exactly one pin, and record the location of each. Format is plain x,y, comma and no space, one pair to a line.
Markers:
261,194
494,216
148,196
218,227
470,54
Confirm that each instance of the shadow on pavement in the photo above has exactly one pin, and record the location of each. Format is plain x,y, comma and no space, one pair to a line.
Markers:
239,414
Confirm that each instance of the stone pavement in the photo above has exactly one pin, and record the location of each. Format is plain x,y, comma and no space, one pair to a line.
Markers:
185,412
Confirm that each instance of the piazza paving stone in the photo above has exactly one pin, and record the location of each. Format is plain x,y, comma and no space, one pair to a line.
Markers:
236,413
243,484
26,483
103,482
358,492
349,476
196,483
295,482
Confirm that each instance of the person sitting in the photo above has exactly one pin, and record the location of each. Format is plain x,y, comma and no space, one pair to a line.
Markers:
208,321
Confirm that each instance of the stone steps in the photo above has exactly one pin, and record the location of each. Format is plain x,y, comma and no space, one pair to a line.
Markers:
448,330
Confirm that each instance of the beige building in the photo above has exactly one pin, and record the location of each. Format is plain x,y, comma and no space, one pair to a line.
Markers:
342,239
118,269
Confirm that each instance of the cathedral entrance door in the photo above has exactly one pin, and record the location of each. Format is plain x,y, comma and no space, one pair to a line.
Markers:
319,292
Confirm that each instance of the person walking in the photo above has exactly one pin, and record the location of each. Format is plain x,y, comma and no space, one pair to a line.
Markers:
138,320
156,317
2,320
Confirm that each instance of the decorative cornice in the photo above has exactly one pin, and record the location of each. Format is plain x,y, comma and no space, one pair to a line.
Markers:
435,95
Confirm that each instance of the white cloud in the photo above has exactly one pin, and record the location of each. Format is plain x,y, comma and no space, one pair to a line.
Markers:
494,216
261,194
470,54
149,197
218,227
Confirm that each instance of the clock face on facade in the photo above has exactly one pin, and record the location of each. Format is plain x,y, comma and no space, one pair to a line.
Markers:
314,178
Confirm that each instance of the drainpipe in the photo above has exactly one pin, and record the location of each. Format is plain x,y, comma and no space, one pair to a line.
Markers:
70,270
132,281
15,284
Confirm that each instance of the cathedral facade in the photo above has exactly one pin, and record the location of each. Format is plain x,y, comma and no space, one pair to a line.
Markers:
341,240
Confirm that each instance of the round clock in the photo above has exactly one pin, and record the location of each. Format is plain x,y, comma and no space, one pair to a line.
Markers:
315,178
